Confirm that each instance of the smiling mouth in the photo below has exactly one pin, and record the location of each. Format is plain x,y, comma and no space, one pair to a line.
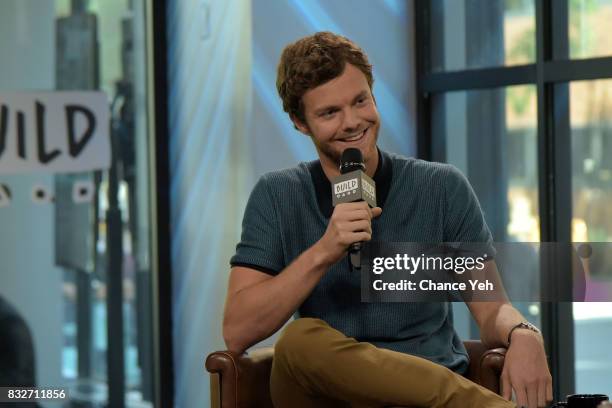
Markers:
355,138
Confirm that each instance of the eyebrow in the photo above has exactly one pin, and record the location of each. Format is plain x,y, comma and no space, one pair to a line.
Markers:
330,107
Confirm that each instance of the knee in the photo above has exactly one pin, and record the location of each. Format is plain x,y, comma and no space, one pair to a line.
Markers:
296,338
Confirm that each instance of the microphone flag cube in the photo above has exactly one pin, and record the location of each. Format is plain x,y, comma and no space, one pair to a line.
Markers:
353,186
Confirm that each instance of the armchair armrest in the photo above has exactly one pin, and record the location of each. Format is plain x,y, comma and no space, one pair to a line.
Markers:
486,365
240,380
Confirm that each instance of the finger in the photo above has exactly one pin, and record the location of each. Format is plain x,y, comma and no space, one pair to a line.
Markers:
506,388
359,237
356,215
360,226
521,396
549,390
358,205
345,208
532,395
355,205
542,394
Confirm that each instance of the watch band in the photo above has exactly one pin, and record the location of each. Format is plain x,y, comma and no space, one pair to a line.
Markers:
523,325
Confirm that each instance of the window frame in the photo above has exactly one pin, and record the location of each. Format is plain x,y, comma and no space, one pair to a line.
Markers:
159,168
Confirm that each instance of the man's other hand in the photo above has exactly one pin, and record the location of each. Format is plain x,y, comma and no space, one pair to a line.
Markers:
349,223
526,371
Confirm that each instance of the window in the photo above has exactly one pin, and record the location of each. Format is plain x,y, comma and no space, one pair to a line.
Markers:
591,141
588,28
524,82
469,34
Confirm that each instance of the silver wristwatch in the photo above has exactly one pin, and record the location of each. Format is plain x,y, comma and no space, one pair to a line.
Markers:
523,325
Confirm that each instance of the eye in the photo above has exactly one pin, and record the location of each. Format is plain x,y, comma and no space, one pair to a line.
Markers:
328,113
362,100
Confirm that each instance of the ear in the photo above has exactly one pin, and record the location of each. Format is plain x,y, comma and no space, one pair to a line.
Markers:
299,125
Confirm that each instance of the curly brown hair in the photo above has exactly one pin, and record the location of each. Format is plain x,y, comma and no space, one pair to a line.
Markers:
312,61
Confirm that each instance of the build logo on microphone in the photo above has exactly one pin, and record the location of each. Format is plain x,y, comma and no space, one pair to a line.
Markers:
369,190
346,187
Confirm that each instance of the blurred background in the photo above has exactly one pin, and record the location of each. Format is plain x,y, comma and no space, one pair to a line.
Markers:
123,294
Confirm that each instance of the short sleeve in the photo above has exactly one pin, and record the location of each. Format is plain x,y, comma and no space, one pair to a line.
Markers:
464,220
260,245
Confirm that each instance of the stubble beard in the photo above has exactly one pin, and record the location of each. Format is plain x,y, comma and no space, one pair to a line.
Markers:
334,156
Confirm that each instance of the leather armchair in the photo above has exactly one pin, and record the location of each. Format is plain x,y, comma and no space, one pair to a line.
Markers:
243,381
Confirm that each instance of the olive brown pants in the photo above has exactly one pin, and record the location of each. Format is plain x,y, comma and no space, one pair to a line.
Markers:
317,366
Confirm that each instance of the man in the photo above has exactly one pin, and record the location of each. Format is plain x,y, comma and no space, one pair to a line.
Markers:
292,258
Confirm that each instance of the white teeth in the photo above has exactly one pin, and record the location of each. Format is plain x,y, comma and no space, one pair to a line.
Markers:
354,138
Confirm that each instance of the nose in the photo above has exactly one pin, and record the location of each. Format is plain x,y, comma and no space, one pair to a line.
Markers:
351,120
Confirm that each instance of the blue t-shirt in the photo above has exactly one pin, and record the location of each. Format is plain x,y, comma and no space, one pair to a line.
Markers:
288,211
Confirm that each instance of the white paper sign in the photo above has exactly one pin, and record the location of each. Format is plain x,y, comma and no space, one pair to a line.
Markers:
54,132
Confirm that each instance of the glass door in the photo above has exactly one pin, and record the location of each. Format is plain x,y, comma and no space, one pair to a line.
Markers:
74,244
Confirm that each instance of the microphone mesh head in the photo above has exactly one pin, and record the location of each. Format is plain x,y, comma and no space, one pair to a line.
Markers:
351,159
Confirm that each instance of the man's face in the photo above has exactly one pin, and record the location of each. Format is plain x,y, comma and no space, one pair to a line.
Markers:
340,114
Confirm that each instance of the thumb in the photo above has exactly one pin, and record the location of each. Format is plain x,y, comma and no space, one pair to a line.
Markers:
376,211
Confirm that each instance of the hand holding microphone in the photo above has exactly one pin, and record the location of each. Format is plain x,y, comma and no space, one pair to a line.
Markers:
354,199
349,223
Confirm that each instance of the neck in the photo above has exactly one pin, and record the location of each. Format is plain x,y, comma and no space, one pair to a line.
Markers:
331,168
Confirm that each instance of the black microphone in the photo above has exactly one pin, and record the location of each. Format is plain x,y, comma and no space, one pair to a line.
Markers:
353,185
